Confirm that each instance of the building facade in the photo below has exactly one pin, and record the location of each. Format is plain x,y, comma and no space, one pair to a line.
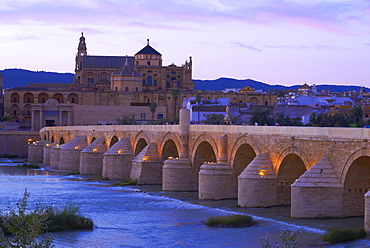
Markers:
111,86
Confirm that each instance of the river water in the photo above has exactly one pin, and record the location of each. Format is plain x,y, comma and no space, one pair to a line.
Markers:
145,216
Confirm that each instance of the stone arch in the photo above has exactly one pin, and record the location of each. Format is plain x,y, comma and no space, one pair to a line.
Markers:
42,97
61,141
90,78
103,75
292,150
113,141
14,110
169,137
203,152
59,97
253,100
28,98
241,141
355,155
291,167
137,147
204,137
356,184
73,98
14,98
242,158
140,145
169,150
93,139
27,109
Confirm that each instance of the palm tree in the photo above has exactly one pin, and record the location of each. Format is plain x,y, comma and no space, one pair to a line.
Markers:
198,98
153,108
175,96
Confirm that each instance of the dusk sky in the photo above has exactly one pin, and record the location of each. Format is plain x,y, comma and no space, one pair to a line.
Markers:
277,42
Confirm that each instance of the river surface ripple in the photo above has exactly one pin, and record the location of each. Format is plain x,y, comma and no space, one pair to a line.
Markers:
145,216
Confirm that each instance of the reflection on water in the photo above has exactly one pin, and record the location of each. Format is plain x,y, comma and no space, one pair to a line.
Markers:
131,217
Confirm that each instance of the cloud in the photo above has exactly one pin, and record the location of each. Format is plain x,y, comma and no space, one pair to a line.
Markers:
239,44
308,47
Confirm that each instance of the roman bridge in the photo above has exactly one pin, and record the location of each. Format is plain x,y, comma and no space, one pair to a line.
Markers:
321,172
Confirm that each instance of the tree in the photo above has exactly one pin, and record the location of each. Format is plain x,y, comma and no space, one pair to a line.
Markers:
127,120
214,119
153,108
262,117
198,98
175,96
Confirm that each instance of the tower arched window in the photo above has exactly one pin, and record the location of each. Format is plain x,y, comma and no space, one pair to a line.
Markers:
148,63
149,78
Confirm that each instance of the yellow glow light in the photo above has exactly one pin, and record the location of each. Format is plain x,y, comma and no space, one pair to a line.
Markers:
119,151
95,149
76,147
261,173
170,157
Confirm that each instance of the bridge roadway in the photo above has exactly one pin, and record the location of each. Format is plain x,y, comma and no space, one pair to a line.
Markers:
321,172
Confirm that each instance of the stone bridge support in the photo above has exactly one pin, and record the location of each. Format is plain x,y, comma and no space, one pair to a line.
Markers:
55,155
367,212
117,161
146,166
216,179
70,154
91,160
36,151
46,158
257,183
318,193
177,173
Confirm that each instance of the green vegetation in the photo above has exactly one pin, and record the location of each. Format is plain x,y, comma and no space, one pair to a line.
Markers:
337,235
74,172
288,238
9,156
126,182
127,120
6,118
353,118
214,119
98,178
29,165
235,220
22,228
264,117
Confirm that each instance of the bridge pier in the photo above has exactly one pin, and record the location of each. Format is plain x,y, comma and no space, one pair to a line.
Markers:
117,161
367,212
70,154
46,157
55,155
178,173
257,183
146,166
318,193
216,180
36,151
91,160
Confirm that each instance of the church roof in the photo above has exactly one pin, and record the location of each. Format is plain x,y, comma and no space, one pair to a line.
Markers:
148,50
89,61
127,69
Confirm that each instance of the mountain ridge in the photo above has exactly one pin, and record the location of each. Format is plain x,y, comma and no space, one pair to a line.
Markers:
21,77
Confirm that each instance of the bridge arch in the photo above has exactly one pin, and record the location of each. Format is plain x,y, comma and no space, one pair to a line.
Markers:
141,140
113,141
291,168
242,153
292,150
203,152
201,138
169,146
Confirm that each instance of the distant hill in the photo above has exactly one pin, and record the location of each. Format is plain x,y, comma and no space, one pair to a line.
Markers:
20,77
223,83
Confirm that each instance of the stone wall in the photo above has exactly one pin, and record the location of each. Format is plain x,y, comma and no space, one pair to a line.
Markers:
16,143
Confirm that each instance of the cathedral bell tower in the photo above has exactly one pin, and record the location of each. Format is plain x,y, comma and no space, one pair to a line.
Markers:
81,51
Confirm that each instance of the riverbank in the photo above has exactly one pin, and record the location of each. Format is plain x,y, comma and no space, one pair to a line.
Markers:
128,205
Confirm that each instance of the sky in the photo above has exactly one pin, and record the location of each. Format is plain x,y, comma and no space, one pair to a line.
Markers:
285,42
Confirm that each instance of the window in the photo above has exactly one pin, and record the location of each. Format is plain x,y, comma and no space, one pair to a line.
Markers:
178,84
173,72
28,99
142,116
143,82
116,88
160,116
155,75
178,76
266,103
149,71
168,85
155,82
148,63
149,80
43,100
136,89
126,89
90,80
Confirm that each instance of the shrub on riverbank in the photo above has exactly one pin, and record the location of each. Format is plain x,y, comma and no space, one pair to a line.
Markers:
29,165
235,220
21,228
126,182
338,235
